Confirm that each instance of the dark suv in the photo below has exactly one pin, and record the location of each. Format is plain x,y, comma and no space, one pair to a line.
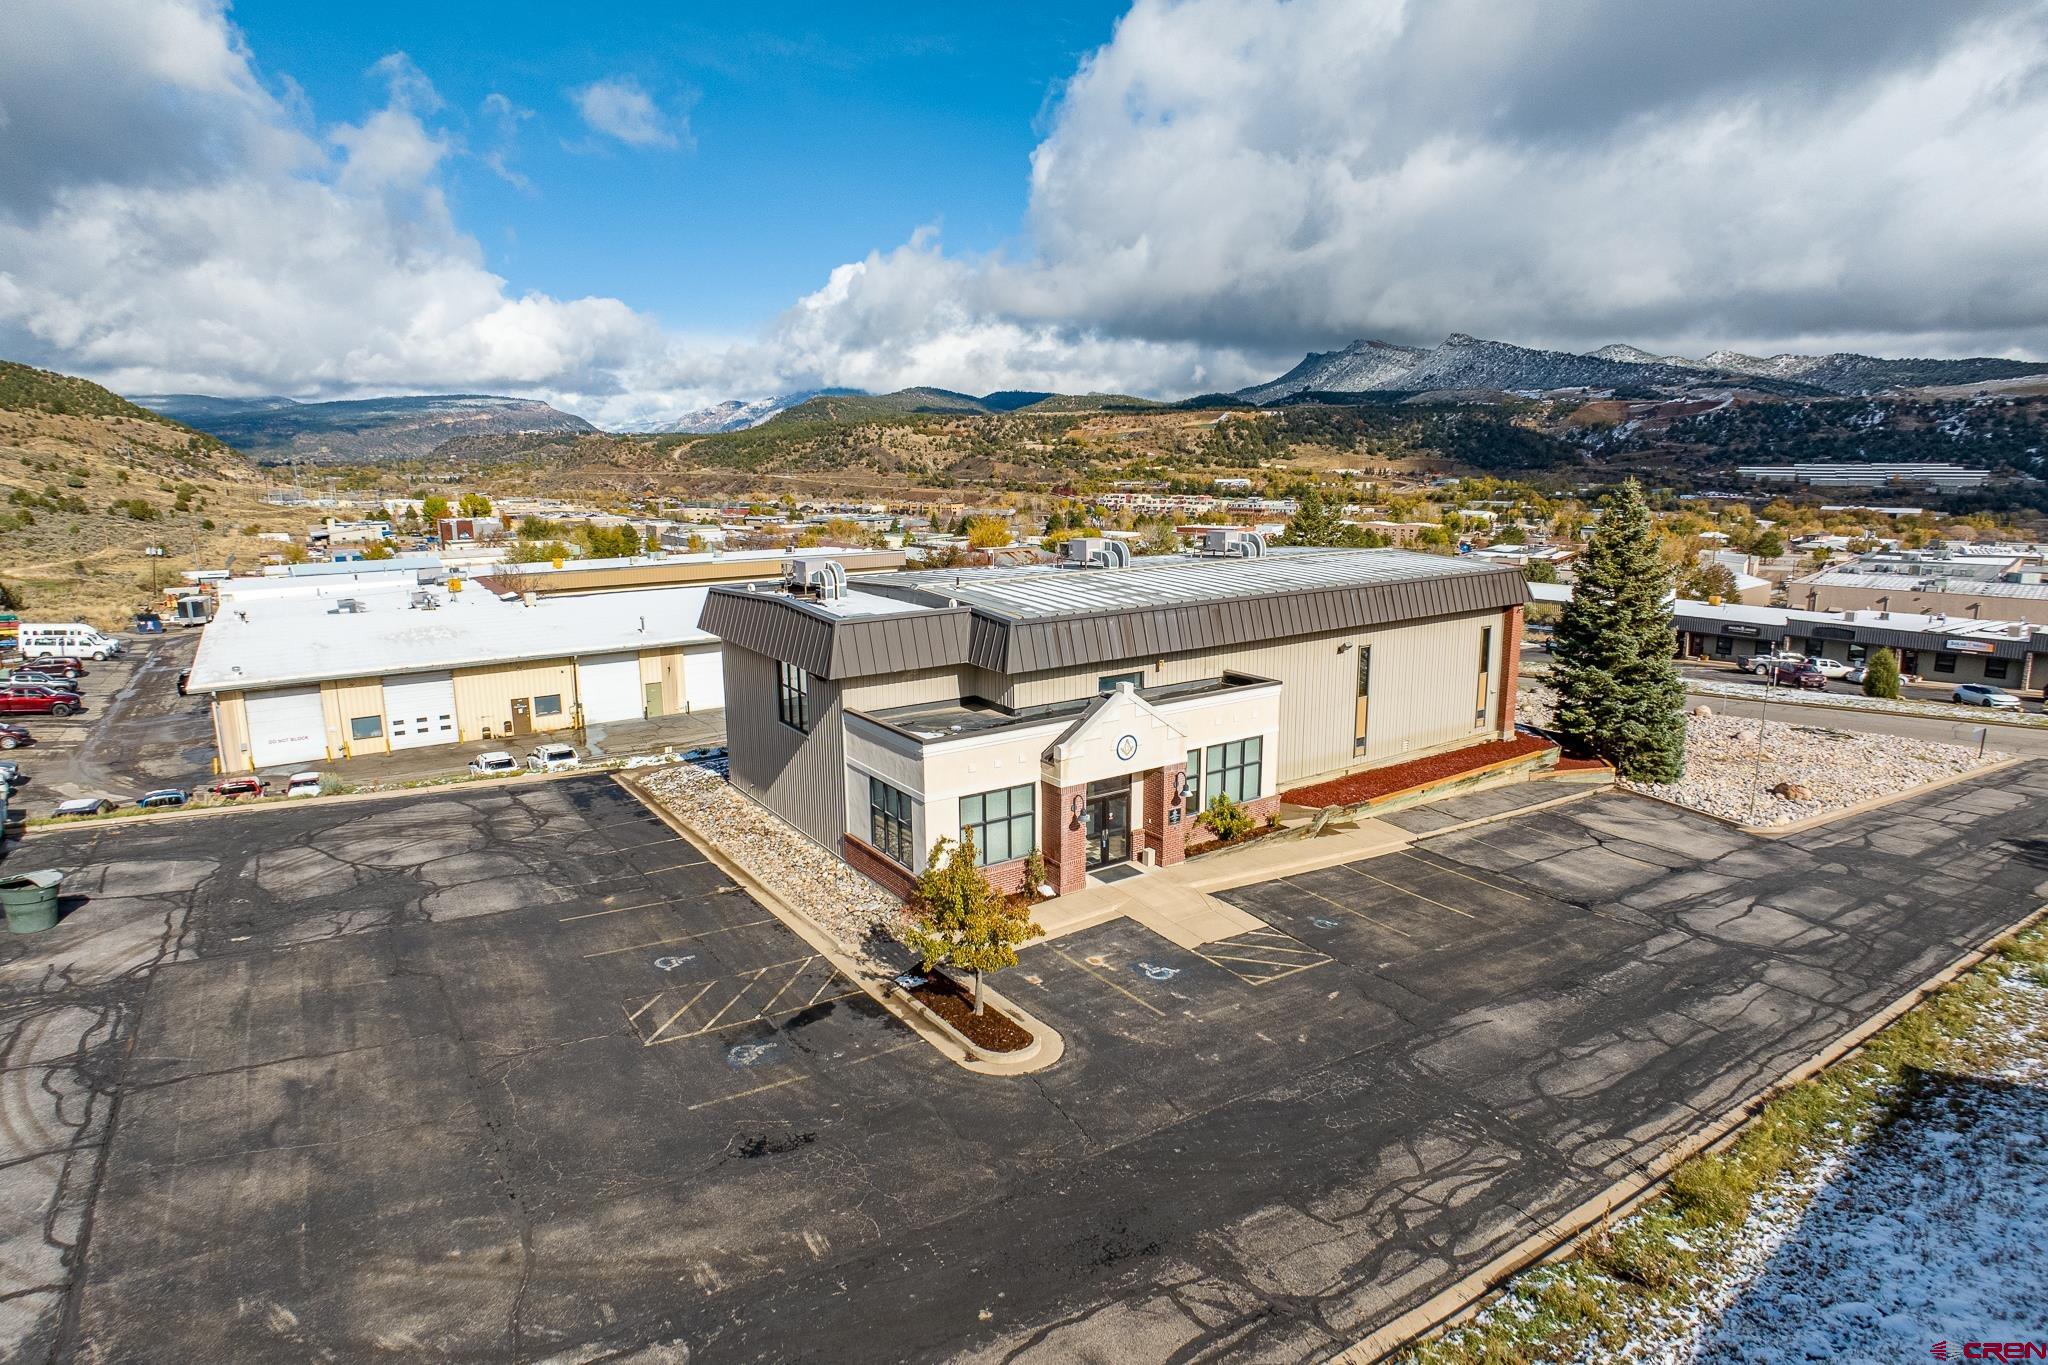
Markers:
1798,675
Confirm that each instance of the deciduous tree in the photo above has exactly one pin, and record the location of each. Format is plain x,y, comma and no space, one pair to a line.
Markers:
959,920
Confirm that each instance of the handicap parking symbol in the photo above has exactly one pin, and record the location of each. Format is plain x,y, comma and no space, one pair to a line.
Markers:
1322,923
1152,973
669,964
748,1054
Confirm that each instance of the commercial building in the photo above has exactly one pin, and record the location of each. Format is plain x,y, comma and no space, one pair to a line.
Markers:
1938,647
1954,585
336,661
1087,710
1829,474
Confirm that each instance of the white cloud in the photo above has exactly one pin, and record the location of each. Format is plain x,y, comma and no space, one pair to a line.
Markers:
618,108
1221,185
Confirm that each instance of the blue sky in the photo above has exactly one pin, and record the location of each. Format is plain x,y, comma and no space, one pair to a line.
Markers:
816,132
635,212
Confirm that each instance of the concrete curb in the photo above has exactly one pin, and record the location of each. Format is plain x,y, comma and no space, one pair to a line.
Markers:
1812,822
1625,1195
879,988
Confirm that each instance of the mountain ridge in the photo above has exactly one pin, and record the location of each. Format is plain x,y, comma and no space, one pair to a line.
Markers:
361,430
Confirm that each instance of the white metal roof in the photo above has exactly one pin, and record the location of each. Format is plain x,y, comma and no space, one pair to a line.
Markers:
275,640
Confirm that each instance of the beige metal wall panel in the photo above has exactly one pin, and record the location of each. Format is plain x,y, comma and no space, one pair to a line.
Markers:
904,689
343,701
483,696
800,777
231,732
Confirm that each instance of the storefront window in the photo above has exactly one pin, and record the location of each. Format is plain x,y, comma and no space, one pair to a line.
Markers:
1233,770
889,820
1004,823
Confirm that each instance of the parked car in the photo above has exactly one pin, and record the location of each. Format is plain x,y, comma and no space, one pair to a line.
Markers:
553,758
1984,694
1763,663
163,799
14,736
232,787
1831,668
36,677
497,761
10,774
1857,674
29,700
1802,675
84,805
304,784
65,664
184,677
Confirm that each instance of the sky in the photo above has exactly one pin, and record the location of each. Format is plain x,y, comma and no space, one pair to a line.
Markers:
633,211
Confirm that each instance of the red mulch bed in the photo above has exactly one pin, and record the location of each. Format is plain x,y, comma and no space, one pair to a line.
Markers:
1582,765
1398,777
991,1028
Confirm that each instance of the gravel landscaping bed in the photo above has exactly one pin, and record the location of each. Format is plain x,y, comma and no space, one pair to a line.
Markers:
1812,770
1936,710
839,900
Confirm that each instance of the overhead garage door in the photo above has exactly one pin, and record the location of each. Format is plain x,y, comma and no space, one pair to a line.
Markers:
286,726
609,686
703,679
419,709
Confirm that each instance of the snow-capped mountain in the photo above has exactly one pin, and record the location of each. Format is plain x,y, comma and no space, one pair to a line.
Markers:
734,414
1466,362
1358,368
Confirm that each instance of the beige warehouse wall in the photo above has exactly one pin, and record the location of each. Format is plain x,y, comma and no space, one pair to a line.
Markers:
342,701
231,732
1425,677
483,696
664,666
905,689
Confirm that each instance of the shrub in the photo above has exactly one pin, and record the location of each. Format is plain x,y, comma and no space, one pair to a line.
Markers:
1225,819
1881,675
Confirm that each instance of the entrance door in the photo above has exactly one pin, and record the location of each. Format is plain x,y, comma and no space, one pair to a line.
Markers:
1107,822
522,716
650,699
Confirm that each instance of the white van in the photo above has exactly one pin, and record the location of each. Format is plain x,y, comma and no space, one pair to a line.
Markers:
43,640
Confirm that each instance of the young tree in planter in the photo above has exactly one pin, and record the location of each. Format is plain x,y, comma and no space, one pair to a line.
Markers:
1881,675
1618,690
959,920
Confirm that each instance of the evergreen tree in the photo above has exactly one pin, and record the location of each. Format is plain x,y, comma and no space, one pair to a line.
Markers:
959,920
1618,690
1881,675
1319,522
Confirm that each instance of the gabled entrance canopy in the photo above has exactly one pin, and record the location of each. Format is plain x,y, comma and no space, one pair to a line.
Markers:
1122,734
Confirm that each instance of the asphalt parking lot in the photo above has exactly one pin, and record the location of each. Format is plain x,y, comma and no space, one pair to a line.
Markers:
516,1073
135,734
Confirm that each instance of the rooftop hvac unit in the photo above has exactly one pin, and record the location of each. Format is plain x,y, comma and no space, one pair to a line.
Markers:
1096,552
1238,544
426,601
824,579
351,605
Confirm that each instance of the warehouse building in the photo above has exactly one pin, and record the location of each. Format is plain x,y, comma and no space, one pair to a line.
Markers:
2012,654
1086,711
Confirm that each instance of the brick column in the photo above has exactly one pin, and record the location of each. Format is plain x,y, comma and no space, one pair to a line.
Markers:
1060,838
1167,840
1510,668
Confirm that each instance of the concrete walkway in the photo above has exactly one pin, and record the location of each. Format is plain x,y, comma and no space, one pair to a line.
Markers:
1176,902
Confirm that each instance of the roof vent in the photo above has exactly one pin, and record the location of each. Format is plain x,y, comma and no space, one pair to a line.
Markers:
1235,544
824,579
351,605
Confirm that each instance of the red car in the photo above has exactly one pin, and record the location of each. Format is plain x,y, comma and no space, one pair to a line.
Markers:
24,699
232,787
57,663
1798,675
13,737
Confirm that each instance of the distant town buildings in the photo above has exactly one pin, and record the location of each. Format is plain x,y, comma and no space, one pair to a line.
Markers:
1829,474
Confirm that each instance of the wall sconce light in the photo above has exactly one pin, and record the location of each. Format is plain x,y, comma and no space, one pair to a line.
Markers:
1079,804
1180,786
1344,648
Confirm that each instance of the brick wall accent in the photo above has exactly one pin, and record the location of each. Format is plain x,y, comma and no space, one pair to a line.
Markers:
1007,878
1198,836
1060,839
1167,841
871,863
1511,668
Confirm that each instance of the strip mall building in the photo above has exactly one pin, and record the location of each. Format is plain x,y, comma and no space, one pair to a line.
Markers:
1088,710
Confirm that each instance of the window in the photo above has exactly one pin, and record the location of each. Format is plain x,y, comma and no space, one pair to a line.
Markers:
889,820
1108,681
1192,792
1364,698
1859,653
1994,668
1723,647
793,696
550,705
1232,770
366,727
1944,663
1485,672
1003,823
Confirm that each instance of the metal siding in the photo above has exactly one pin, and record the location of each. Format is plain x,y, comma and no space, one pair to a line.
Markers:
799,777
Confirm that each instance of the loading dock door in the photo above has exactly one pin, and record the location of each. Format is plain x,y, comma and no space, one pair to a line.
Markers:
419,709
286,726
609,686
703,680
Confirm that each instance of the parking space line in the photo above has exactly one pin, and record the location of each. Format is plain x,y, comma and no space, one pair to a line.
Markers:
1441,905
772,1085
750,1019
678,938
672,1018
1347,909
1111,984
647,872
751,983
615,910
1455,872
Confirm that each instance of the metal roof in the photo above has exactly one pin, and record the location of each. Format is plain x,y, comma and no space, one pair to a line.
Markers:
1025,619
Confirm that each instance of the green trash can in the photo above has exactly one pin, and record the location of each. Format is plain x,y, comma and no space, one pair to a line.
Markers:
30,899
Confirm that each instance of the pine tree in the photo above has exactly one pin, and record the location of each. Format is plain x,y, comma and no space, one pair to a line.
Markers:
1319,522
1881,675
1619,694
958,918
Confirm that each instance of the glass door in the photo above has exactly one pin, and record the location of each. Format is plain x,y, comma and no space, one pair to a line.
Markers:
1106,823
